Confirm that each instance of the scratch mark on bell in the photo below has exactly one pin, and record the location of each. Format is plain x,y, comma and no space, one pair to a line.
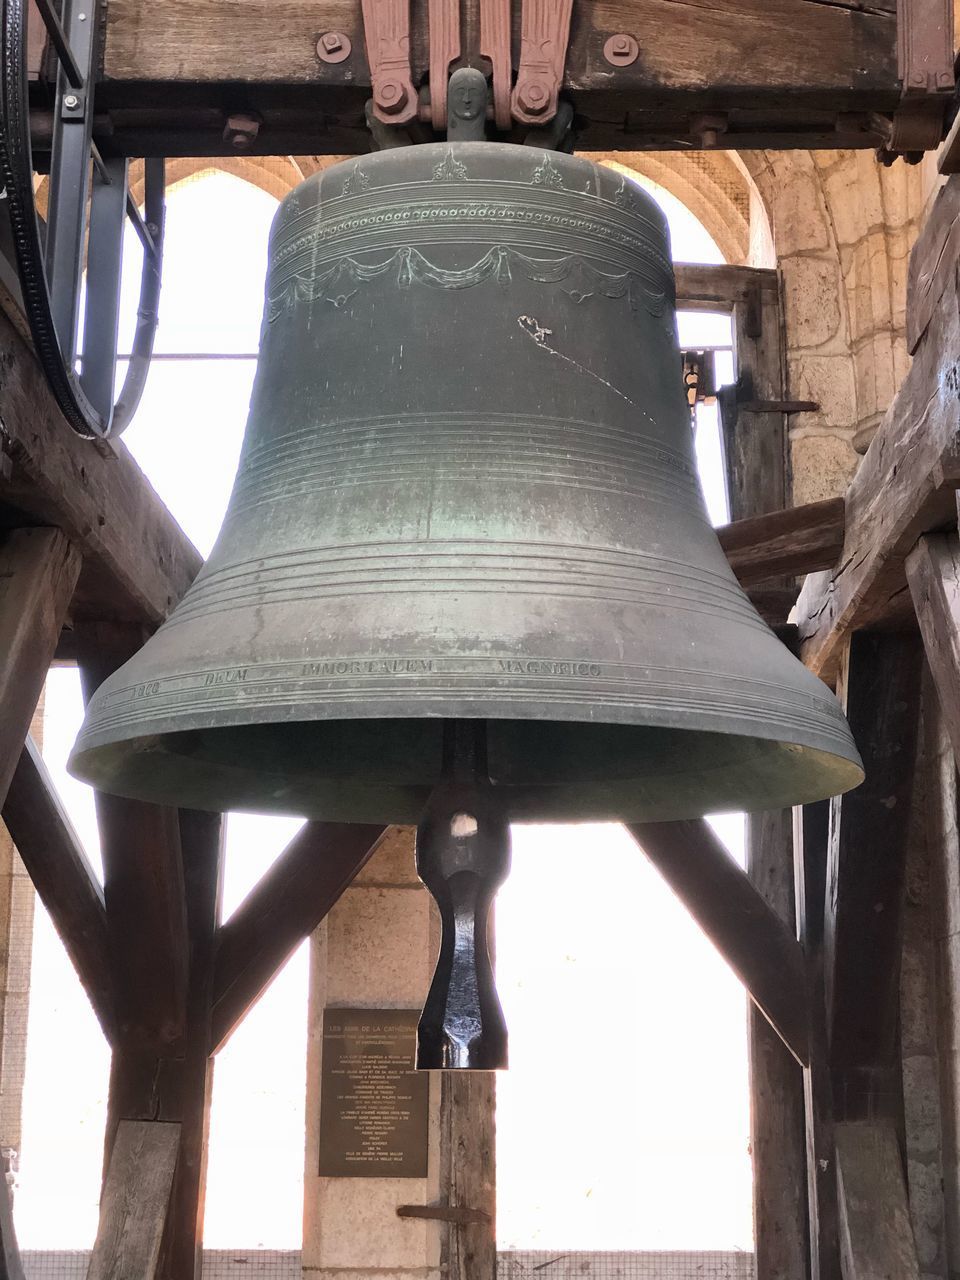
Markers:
532,327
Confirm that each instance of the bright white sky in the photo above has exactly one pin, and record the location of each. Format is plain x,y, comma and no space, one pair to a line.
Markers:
623,1121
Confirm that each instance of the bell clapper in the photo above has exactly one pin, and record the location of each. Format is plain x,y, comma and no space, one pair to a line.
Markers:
463,856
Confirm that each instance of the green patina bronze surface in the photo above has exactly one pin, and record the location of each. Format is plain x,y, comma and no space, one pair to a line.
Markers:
467,490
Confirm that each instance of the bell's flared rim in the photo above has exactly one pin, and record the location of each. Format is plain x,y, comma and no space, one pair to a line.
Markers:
381,769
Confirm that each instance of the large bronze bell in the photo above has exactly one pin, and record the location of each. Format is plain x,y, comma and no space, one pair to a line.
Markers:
467,493
467,490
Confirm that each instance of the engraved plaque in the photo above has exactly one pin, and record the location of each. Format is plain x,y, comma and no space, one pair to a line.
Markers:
373,1104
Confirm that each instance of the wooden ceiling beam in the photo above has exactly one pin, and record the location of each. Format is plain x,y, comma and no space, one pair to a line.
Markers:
782,70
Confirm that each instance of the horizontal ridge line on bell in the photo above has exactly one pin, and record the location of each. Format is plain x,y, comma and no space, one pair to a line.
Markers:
496,704
744,616
613,675
334,482
564,565
455,443
470,423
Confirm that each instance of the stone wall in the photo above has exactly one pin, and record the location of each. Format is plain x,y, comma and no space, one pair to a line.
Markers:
376,950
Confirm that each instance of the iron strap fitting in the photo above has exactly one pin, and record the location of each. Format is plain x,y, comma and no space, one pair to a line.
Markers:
544,37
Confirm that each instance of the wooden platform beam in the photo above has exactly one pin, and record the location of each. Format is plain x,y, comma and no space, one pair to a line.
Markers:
285,907
63,878
793,541
761,950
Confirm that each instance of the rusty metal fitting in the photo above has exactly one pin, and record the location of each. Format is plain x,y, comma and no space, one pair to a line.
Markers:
621,50
709,128
390,97
334,46
534,97
241,131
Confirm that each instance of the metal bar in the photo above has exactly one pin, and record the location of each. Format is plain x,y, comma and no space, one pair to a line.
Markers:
141,228
101,318
58,38
69,185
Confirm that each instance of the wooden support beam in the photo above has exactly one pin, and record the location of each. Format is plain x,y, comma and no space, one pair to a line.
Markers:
777,1116
869,828
760,949
38,573
173,1082
796,540
716,287
933,572
806,62
143,881
811,839
876,1235
62,876
468,1178
285,907
133,1207
905,485
137,562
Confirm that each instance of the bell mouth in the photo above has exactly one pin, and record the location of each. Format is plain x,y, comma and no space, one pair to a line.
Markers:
545,770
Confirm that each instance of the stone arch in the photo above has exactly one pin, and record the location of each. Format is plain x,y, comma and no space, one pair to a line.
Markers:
709,183
842,227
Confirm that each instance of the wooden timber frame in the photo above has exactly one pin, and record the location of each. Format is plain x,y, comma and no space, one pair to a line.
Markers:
742,73
91,562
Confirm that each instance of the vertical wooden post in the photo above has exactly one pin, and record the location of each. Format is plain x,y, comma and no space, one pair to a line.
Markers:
176,1085
811,837
863,942
468,1172
162,872
755,447
38,572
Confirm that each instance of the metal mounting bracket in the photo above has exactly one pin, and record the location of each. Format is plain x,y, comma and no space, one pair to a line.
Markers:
386,33
544,36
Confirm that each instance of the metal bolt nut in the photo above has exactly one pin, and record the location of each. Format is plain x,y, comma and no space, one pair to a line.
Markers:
391,97
334,46
621,50
71,101
534,97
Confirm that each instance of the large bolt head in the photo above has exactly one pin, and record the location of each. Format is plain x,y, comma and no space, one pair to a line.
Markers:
534,97
391,97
